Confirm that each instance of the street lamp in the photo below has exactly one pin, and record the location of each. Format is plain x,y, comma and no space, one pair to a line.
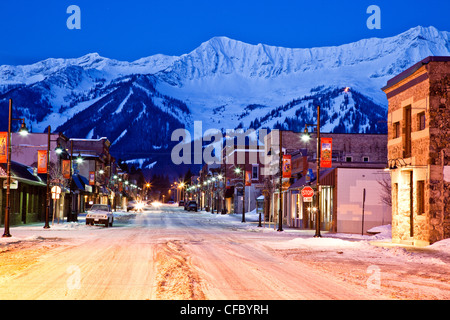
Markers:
306,137
23,131
79,159
47,208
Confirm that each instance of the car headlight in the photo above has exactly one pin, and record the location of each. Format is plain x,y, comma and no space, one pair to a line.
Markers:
139,206
156,204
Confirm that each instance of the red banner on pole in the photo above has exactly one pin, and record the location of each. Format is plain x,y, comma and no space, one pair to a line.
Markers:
287,168
3,147
66,169
248,178
42,161
326,152
91,178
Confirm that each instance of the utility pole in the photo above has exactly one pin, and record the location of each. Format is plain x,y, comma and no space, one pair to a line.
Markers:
318,235
280,211
47,208
8,175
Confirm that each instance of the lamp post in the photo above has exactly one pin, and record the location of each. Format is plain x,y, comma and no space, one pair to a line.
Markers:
306,137
23,131
47,208
238,170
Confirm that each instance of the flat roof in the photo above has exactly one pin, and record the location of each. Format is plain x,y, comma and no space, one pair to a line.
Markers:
413,69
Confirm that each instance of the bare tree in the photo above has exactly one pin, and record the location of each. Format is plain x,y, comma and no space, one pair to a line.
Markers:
267,192
386,190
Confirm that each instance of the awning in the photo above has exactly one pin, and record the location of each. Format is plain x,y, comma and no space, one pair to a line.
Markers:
300,183
22,173
80,182
105,190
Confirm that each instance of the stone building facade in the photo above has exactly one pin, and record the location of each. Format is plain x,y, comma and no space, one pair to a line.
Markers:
419,151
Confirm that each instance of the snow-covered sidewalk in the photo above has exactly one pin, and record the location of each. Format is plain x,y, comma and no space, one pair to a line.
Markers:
381,236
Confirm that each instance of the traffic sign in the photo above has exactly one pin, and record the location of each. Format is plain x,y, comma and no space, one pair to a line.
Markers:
307,194
56,191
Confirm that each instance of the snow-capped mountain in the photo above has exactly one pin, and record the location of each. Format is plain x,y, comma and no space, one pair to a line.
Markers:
224,83
233,74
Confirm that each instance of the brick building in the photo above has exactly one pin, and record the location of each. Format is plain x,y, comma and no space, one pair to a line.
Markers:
419,151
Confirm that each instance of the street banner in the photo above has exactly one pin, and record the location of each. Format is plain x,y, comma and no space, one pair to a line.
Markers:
91,178
248,178
326,145
42,161
3,146
66,169
287,170
228,185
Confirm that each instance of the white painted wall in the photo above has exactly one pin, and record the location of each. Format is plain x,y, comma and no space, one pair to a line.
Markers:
351,183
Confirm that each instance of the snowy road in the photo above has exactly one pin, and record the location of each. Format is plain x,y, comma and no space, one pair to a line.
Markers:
168,253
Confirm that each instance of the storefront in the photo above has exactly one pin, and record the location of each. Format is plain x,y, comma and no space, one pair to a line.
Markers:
302,212
350,201
27,194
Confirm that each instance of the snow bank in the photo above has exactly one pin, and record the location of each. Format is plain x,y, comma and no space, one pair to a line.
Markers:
443,245
324,242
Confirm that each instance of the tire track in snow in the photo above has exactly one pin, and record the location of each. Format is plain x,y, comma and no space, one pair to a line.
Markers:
176,278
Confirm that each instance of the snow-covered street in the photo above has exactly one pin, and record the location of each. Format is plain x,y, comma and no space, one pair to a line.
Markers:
169,253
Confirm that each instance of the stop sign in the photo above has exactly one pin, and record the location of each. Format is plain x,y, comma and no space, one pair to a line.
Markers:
307,192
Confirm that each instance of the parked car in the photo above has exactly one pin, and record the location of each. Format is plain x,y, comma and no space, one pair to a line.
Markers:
181,203
100,214
192,205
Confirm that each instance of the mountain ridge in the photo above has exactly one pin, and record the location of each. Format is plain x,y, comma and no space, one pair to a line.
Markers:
224,83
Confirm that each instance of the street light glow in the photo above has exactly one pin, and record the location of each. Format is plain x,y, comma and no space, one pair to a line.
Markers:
305,136
23,131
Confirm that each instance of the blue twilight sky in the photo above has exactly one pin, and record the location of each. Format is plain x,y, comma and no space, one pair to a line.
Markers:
128,30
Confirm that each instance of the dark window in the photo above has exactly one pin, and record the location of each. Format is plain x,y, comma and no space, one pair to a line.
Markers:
421,117
255,172
420,197
396,130
407,140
